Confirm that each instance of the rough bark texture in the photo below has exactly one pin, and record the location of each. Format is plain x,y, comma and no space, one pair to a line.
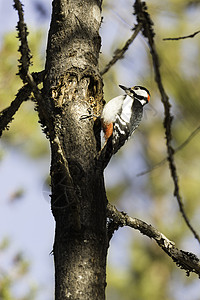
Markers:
73,85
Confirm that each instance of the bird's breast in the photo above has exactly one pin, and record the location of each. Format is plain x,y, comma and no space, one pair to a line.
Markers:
127,109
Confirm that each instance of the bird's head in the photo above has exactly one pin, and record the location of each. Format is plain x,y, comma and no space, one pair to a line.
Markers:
137,92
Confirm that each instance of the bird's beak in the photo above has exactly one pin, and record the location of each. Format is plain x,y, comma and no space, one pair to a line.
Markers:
127,90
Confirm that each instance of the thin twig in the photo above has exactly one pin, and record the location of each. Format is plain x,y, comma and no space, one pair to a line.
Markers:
182,37
25,59
119,53
147,30
176,150
6,115
185,260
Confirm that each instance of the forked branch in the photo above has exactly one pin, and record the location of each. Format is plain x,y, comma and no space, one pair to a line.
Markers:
25,59
24,64
6,115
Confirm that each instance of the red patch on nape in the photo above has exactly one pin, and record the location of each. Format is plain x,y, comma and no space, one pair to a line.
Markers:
148,98
108,130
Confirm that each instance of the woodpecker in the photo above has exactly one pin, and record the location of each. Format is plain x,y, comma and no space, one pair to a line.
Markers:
122,115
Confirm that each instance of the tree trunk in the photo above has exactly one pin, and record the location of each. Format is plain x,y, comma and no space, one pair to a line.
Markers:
72,88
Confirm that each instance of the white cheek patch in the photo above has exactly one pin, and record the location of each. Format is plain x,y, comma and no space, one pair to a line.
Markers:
142,93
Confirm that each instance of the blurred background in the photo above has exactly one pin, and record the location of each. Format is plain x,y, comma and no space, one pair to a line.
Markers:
137,268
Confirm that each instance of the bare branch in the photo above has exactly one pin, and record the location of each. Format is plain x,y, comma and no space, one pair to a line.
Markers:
119,53
147,30
185,260
6,115
25,60
182,37
176,150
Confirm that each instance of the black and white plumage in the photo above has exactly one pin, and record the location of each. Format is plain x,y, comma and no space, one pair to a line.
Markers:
122,115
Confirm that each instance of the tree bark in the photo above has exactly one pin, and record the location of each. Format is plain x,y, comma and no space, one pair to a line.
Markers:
72,88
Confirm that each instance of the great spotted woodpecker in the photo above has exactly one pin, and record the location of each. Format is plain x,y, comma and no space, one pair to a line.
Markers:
122,115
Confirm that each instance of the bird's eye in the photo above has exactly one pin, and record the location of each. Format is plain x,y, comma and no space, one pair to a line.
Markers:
136,88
